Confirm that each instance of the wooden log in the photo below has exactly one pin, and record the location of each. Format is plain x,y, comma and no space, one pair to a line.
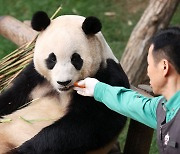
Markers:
138,139
15,30
156,16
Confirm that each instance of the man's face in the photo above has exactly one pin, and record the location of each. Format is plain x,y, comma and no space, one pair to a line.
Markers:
154,72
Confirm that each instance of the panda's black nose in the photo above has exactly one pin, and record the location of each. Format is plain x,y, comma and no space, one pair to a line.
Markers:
64,83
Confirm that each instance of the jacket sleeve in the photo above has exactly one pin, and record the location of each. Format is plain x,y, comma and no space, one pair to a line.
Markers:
128,102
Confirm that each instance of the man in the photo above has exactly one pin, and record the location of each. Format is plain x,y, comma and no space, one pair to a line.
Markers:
161,113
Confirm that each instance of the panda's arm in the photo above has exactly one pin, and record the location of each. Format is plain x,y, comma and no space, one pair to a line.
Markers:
18,94
113,74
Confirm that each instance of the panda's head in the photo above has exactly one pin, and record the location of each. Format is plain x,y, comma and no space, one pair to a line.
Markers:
68,48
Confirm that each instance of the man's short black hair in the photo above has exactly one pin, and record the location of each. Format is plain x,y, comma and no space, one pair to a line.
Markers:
167,45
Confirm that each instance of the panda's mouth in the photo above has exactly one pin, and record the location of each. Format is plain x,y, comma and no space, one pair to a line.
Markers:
65,88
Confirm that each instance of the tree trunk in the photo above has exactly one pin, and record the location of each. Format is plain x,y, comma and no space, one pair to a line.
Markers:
157,16
15,30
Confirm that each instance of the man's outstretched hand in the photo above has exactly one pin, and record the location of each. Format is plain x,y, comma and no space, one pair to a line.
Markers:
86,87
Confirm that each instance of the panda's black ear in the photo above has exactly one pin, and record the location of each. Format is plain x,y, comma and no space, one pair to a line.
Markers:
91,25
40,21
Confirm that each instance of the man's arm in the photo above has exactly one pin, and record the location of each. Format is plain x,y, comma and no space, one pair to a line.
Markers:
128,102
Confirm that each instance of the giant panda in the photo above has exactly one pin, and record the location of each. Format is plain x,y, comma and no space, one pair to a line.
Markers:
46,115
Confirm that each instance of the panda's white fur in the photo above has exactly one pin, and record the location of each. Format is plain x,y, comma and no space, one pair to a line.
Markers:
41,113
62,37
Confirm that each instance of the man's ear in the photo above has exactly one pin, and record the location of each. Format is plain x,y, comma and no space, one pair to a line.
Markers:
165,67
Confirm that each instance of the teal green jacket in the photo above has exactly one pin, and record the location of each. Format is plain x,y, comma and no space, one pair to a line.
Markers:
134,105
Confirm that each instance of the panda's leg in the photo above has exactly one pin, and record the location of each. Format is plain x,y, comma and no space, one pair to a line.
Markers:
17,94
60,137
73,134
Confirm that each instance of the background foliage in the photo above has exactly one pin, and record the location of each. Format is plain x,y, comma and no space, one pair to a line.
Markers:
116,28
118,18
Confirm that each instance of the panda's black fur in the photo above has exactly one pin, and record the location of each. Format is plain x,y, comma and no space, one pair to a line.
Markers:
88,125
91,25
17,95
40,21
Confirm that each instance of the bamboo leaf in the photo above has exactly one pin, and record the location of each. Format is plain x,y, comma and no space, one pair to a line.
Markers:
5,120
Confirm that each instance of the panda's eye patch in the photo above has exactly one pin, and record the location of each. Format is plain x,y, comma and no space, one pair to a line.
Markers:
51,61
77,61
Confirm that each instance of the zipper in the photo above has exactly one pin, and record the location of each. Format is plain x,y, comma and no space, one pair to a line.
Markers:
161,133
